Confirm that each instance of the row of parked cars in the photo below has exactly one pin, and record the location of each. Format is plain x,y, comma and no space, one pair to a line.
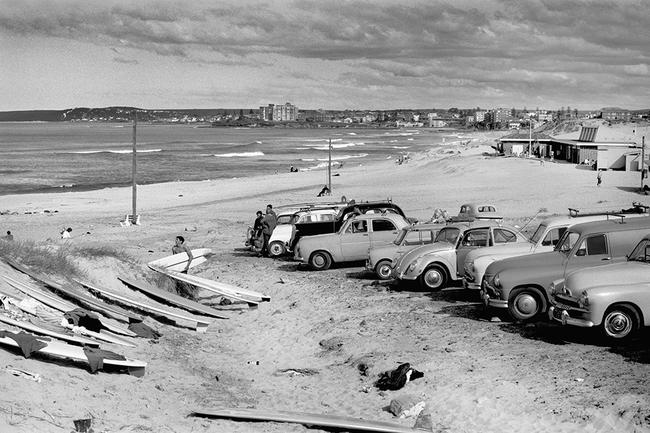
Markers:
582,270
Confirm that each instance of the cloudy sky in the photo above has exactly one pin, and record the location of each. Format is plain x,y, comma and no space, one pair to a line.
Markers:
333,54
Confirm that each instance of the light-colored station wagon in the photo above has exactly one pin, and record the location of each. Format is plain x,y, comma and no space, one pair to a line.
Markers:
281,236
614,297
352,242
544,238
521,284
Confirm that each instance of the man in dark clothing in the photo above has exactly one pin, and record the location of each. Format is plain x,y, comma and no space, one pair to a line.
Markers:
268,224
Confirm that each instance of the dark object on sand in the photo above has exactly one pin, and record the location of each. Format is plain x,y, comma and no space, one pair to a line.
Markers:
396,379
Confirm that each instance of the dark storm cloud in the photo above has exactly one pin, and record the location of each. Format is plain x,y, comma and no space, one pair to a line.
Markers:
348,30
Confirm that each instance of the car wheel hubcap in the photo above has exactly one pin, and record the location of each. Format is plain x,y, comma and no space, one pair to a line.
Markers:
276,249
319,260
618,324
384,271
433,278
526,304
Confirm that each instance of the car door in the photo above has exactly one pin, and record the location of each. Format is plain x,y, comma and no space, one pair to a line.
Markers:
355,240
592,250
383,232
471,240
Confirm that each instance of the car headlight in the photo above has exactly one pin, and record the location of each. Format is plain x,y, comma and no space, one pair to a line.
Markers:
496,281
411,267
583,300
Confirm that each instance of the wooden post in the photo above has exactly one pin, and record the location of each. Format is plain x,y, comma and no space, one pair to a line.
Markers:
135,188
642,159
329,167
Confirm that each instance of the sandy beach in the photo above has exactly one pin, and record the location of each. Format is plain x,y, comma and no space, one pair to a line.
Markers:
479,375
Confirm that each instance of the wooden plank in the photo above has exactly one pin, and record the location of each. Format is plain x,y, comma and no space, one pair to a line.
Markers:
28,326
63,350
171,298
88,301
46,298
224,289
198,325
309,419
179,258
58,304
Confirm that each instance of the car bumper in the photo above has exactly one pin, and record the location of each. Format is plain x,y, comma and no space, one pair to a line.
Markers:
489,298
563,315
471,285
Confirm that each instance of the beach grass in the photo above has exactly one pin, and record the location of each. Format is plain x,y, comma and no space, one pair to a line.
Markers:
41,258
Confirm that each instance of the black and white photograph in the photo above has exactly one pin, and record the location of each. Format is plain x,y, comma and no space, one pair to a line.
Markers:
269,216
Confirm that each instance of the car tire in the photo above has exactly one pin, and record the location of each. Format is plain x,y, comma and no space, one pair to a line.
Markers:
433,278
320,260
620,322
276,248
526,304
384,269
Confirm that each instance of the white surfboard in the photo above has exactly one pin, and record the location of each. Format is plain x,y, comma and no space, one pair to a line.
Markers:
63,350
224,289
181,266
181,258
28,326
196,323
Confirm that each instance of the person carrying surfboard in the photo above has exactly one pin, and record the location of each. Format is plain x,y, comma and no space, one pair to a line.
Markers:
181,247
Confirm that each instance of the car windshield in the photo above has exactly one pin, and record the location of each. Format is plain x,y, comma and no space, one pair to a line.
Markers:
400,236
567,242
641,253
448,234
538,233
285,219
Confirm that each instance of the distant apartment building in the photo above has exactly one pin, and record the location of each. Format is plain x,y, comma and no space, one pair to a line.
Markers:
617,114
279,113
501,115
479,116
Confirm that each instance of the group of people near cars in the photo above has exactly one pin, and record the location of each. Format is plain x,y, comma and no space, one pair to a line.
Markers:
262,229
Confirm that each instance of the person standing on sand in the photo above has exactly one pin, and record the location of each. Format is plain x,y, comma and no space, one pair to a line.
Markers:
599,178
268,224
181,247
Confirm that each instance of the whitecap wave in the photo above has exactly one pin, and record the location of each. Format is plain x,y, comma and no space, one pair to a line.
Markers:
400,147
344,157
239,154
124,151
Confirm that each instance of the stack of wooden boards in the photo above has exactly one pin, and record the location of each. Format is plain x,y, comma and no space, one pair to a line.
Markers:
111,316
172,265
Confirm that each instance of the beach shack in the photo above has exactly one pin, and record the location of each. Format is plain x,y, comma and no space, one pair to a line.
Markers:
602,148
610,149
520,142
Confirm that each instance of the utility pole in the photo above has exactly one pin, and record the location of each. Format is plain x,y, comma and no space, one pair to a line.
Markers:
530,136
642,160
329,167
135,192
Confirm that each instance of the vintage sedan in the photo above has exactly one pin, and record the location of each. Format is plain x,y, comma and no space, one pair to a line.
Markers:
435,265
352,242
544,238
614,297
472,211
380,259
521,284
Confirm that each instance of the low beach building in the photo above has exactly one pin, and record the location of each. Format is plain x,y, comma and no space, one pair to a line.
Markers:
598,146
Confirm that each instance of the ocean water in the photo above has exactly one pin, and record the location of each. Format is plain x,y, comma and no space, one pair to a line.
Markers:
61,156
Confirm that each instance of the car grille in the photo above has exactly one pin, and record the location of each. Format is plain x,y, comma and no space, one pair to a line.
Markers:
565,302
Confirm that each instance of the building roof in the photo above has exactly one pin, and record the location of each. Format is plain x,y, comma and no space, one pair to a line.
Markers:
600,135
522,135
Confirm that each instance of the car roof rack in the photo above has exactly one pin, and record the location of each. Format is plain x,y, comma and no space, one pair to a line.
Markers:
636,208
